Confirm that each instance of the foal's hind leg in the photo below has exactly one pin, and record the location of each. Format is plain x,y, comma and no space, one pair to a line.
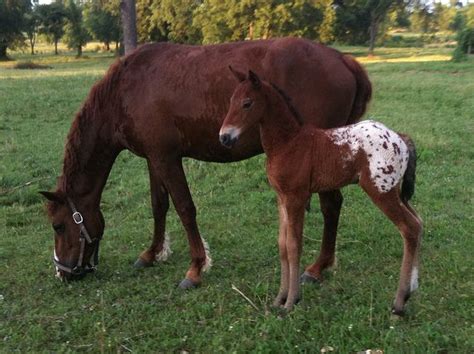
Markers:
410,228
159,249
331,203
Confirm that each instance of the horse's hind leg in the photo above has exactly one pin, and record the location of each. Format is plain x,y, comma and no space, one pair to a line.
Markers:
410,228
159,249
173,177
331,203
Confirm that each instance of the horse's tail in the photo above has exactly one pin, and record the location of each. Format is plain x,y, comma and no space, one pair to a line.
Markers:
408,185
363,89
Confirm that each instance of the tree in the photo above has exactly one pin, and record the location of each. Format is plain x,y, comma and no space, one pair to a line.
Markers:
129,24
76,35
102,23
12,24
52,18
32,22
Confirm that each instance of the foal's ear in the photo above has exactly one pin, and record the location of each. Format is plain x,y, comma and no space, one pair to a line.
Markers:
238,75
254,79
53,196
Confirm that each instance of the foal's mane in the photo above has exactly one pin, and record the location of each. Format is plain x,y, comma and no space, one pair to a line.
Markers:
101,103
289,104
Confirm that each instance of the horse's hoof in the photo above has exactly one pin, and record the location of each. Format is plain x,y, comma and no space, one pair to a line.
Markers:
307,278
140,264
397,314
187,284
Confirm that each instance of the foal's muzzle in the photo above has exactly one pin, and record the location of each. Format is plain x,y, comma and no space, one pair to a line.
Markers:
227,140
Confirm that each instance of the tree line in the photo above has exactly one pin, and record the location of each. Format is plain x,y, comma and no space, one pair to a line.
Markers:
355,22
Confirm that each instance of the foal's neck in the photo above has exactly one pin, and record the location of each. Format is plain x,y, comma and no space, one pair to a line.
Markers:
279,125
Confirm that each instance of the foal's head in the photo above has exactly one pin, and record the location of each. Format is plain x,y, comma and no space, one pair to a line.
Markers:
247,107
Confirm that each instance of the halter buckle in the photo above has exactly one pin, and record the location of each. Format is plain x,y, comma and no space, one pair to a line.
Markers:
77,217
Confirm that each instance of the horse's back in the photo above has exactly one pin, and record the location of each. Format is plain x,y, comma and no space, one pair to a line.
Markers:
177,95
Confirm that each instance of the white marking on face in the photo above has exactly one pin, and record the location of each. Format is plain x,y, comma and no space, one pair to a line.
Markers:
414,279
208,263
233,131
387,154
57,274
165,251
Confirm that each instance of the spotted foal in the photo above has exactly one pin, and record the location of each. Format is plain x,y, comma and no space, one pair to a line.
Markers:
302,160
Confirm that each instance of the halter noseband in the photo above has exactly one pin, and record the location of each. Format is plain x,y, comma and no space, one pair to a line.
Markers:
84,237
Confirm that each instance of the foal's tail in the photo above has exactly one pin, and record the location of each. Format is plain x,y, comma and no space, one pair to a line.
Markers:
408,185
363,89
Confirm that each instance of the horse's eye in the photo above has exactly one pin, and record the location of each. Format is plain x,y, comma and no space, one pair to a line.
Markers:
59,228
247,104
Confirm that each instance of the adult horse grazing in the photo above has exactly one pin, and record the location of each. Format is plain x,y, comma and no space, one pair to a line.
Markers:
302,160
164,102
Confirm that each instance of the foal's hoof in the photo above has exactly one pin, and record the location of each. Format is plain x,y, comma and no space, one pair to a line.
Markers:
140,264
187,284
307,278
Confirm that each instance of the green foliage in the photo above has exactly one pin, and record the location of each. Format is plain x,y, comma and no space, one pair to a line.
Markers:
121,309
101,22
12,23
75,33
175,18
52,20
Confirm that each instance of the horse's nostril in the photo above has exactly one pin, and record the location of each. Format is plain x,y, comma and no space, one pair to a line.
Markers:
225,139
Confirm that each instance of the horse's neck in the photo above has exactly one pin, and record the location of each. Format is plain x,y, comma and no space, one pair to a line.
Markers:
89,156
279,125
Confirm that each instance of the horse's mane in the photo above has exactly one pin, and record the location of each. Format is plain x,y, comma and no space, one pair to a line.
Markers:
289,104
100,104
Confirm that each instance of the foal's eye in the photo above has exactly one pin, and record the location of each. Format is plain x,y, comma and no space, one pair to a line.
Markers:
59,228
247,104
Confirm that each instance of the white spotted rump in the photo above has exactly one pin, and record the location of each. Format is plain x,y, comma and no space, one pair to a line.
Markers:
387,154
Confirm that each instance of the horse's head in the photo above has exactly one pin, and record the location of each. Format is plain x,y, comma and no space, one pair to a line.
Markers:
77,232
247,107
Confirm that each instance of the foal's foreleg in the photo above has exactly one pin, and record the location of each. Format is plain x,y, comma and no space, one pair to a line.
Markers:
285,272
330,203
411,228
159,249
295,208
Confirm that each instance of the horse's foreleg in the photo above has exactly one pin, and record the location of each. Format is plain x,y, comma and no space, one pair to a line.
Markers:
331,203
294,239
175,181
284,275
159,249
411,228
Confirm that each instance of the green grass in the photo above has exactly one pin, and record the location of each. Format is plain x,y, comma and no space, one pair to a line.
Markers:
119,308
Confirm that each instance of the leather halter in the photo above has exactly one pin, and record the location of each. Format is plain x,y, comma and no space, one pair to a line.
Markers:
84,237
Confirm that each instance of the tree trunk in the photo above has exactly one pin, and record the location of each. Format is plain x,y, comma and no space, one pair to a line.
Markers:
32,46
79,51
3,53
107,46
56,47
373,36
129,24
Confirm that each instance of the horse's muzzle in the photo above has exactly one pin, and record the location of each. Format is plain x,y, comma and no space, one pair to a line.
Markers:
227,140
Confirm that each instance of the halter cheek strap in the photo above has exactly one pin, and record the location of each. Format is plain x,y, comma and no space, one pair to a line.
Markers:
84,237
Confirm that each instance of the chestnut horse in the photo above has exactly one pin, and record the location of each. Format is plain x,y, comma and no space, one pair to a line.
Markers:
166,101
303,159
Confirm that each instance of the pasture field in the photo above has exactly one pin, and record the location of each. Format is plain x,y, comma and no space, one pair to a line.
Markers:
120,309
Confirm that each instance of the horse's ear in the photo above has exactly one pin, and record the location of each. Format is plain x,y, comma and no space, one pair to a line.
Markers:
254,79
53,196
238,75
